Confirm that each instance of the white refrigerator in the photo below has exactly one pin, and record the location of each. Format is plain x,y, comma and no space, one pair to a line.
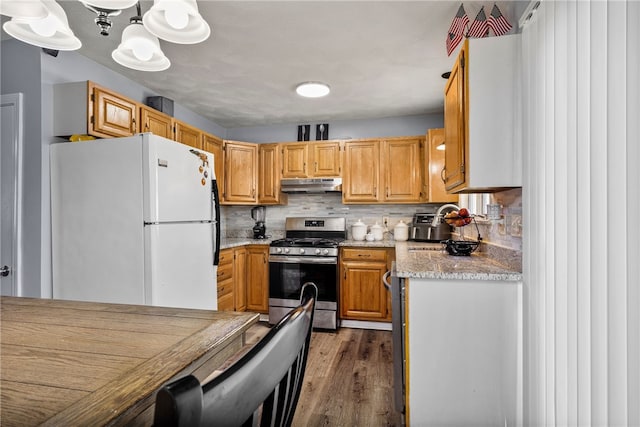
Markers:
134,221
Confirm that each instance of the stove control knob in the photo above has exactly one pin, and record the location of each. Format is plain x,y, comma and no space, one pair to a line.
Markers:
317,251
301,250
286,250
325,252
278,250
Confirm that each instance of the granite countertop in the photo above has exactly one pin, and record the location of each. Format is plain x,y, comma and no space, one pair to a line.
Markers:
420,260
234,242
373,244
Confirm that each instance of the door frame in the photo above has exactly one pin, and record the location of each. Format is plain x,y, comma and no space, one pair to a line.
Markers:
16,101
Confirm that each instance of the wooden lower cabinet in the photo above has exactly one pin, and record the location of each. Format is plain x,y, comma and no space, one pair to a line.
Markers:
225,281
240,278
362,294
258,278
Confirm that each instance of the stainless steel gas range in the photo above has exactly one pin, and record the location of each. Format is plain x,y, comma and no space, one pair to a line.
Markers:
308,253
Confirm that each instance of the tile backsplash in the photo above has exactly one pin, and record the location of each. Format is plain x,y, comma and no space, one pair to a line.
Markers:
506,231
237,222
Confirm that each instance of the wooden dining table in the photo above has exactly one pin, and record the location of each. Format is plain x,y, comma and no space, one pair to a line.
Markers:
69,363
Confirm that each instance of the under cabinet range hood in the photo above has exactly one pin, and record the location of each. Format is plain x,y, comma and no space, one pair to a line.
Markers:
311,185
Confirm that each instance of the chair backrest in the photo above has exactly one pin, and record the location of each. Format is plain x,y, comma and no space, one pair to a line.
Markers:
261,388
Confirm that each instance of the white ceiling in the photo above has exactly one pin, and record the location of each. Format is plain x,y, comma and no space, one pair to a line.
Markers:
381,58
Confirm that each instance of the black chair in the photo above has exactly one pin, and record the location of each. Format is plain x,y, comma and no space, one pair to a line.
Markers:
261,388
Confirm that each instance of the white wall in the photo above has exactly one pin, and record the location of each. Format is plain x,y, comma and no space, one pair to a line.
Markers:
581,198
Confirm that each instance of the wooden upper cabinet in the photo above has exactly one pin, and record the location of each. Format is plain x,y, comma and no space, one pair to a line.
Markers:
434,169
402,163
294,160
454,123
113,115
241,172
311,159
482,123
187,134
326,159
156,122
269,174
361,178
213,145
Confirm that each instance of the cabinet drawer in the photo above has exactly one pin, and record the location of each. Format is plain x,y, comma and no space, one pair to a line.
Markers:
225,287
226,256
358,254
225,272
225,302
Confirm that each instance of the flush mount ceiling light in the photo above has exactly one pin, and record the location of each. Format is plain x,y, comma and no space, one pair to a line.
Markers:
41,23
312,89
44,23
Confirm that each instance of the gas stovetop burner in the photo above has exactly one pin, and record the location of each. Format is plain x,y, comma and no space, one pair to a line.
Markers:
315,242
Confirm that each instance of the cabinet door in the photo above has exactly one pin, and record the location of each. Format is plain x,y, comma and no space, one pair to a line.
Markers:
241,171
113,114
240,279
213,145
361,178
187,135
434,169
258,278
454,124
269,174
402,170
155,122
362,294
294,160
326,159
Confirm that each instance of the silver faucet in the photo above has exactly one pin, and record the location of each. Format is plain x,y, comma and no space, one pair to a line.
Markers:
451,206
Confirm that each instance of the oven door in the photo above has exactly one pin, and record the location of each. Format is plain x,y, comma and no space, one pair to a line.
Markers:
287,274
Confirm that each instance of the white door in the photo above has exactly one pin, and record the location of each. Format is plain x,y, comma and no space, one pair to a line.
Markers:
179,184
179,270
10,194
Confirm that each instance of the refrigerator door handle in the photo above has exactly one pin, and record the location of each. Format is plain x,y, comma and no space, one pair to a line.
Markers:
216,229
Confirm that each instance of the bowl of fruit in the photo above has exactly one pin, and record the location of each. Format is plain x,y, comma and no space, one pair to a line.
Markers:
461,218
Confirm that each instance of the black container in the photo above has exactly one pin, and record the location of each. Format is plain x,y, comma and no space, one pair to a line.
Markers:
161,103
460,247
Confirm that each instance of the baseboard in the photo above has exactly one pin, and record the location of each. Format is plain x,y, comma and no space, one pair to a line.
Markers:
362,324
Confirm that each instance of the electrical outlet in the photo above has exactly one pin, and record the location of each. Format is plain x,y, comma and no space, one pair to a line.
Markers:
385,221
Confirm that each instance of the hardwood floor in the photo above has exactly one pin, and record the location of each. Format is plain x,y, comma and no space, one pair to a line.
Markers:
348,381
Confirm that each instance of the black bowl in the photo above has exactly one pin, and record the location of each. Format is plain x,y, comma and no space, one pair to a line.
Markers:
460,247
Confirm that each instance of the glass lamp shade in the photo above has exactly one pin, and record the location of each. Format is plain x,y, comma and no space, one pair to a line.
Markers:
111,4
176,21
23,9
140,50
51,32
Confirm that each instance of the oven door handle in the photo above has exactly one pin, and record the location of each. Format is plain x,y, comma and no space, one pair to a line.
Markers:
286,259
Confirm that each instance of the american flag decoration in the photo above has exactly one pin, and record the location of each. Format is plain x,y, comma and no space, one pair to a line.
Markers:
456,30
497,22
479,27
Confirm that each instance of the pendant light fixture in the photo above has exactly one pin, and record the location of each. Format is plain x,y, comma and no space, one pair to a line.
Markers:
46,27
44,23
176,21
139,49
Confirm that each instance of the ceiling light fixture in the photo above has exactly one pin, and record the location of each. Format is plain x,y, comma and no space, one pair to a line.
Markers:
312,89
44,23
41,23
140,49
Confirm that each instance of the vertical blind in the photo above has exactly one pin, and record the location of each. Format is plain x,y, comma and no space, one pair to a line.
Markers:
581,199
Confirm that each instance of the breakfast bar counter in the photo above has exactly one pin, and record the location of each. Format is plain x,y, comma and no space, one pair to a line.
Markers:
80,363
